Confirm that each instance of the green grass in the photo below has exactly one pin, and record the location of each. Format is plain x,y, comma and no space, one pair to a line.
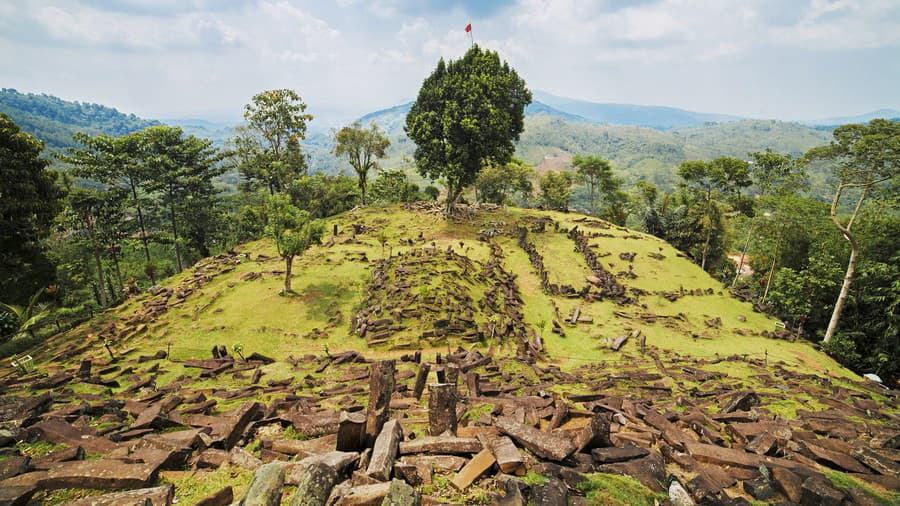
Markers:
39,448
614,490
844,482
191,487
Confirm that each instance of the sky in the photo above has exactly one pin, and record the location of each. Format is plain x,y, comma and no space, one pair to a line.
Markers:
165,59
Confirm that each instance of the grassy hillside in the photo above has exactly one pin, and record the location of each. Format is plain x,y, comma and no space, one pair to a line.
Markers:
674,304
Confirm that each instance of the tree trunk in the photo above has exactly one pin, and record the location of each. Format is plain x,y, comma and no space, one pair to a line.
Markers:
140,214
288,264
100,280
708,230
175,234
854,255
118,274
362,188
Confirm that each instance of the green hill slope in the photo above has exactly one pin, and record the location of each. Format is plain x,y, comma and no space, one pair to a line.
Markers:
436,283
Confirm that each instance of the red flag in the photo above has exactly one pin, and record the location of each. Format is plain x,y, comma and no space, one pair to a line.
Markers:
468,27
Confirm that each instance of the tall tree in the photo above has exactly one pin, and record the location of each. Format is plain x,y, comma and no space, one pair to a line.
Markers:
115,161
363,148
776,174
722,176
29,199
94,218
866,156
267,150
595,172
293,231
393,186
468,112
181,169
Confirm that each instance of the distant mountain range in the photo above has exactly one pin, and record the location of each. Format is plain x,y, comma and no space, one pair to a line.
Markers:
643,142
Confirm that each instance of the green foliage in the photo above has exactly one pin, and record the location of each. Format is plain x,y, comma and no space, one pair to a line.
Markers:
392,186
292,229
532,478
55,121
363,148
777,174
267,151
29,199
476,411
468,112
504,183
39,448
614,490
27,317
322,195
556,189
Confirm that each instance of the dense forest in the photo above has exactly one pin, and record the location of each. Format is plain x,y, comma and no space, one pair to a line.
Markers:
149,201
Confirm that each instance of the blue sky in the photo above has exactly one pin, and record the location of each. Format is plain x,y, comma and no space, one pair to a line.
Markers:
786,59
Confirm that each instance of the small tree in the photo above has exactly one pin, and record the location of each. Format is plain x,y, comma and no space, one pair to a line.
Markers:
27,317
468,112
362,148
293,231
867,155
595,172
555,189
499,183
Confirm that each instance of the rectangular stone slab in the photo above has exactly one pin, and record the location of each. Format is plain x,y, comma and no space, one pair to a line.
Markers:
385,451
479,464
730,457
441,445
544,445
508,457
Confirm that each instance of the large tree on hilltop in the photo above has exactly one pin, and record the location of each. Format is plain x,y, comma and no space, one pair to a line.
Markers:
363,148
267,150
866,156
469,112
29,199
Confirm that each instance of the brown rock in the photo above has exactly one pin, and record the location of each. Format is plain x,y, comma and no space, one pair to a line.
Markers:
441,408
879,463
788,483
615,454
351,432
649,470
381,387
441,445
385,451
156,496
595,434
56,431
817,491
365,495
421,379
544,445
223,497
834,459
508,457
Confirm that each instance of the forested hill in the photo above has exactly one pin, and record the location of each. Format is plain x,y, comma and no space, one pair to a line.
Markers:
54,120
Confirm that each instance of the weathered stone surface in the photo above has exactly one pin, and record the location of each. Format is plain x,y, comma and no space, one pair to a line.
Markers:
20,408
817,491
421,380
508,457
56,431
594,434
381,387
243,459
730,457
316,425
788,483
266,487
759,489
614,454
351,433
441,408
156,496
544,445
834,459
13,466
319,475
385,451
365,495
678,496
16,495
441,445
879,463
223,497
104,474
553,492
761,444
741,401
307,447
211,458
649,470
401,494
470,472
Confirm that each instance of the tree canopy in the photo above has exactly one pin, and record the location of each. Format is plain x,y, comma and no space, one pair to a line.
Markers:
363,148
468,112
29,200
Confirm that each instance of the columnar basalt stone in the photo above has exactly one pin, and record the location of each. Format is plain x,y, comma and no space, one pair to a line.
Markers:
441,408
381,386
351,436
421,379
385,451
